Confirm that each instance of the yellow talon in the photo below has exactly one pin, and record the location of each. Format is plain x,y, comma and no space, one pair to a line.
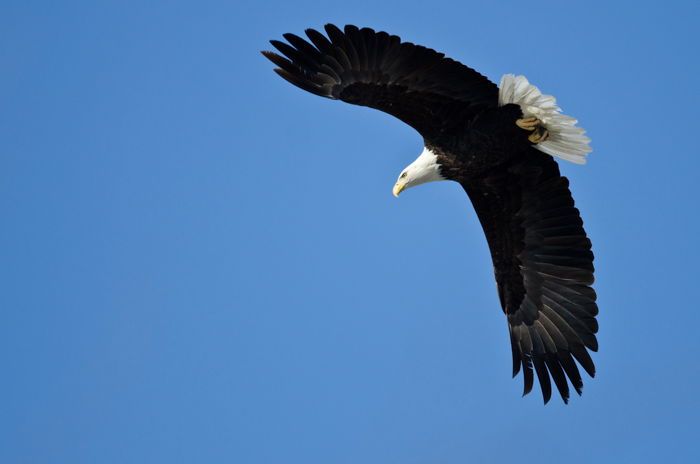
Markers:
539,133
527,123
538,136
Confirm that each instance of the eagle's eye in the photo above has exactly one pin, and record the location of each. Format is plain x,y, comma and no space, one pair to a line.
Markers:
403,175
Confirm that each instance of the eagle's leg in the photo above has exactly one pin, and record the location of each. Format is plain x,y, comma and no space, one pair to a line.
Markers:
534,125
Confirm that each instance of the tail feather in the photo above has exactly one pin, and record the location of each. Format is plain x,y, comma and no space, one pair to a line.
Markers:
566,140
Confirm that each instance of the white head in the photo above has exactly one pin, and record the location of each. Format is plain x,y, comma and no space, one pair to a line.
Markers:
424,169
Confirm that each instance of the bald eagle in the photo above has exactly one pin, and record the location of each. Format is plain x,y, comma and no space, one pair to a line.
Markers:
498,144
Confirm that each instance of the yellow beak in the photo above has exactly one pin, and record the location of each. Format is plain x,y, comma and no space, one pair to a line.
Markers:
398,188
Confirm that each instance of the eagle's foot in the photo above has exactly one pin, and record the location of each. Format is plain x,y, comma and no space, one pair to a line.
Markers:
534,125
540,134
527,123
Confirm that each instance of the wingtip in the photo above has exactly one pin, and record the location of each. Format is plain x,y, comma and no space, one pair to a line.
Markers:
275,42
546,397
332,29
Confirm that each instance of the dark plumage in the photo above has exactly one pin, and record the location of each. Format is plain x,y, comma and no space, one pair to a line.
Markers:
542,258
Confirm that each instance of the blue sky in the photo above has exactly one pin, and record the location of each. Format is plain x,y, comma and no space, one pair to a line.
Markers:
202,263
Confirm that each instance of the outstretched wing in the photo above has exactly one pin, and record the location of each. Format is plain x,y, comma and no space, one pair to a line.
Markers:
544,270
363,67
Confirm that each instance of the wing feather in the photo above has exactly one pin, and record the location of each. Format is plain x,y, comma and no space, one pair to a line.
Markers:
363,67
544,268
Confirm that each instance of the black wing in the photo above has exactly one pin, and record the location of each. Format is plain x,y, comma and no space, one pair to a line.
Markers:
544,270
416,84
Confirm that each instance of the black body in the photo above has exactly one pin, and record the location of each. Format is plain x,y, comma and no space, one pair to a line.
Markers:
542,258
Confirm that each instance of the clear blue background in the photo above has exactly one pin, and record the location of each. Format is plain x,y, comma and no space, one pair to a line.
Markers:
202,263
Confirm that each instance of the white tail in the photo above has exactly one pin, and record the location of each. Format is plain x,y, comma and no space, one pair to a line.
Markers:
566,140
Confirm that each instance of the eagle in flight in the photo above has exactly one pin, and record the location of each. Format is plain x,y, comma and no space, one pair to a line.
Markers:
498,143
